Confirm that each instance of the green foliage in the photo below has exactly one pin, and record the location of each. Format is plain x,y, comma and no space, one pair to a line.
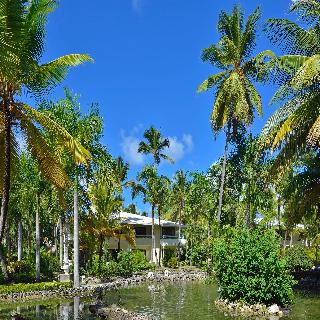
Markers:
30,287
297,259
132,261
49,264
170,259
127,263
21,271
249,268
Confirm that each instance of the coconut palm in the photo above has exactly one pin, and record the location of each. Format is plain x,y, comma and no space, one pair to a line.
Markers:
236,98
22,35
180,192
295,126
151,187
154,145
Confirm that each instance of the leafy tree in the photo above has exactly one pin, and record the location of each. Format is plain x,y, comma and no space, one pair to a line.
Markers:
154,145
180,192
153,188
22,29
236,98
294,127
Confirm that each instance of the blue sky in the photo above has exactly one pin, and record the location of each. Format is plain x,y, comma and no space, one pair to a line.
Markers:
147,68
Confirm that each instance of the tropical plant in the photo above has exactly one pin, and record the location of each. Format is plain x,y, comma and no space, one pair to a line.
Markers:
236,98
180,193
154,145
249,268
294,127
22,28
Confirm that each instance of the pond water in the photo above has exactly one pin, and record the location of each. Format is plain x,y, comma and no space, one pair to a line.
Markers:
191,301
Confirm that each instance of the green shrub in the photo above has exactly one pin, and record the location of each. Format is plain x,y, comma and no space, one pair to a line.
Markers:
49,264
297,259
127,263
173,263
21,271
30,287
249,268
140,262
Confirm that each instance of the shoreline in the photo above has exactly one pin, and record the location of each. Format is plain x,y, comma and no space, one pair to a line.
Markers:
89,290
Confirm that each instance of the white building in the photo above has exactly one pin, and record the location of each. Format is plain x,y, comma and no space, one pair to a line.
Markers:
166,235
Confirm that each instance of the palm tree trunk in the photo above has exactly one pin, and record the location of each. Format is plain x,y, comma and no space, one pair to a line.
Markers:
153,253
61,241
7,169
76,275
19,240
3,264
179,235
223,174
209,253
37,239
159,216
100,253
285,242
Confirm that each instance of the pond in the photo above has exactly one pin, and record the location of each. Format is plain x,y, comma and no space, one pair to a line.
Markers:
190,300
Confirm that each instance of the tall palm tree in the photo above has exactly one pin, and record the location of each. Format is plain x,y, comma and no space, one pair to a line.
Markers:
295,126
148,187
236,98
180,192
154,145
22,35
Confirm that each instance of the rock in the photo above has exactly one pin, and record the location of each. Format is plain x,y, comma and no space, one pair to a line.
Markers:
150,275
116,313
274,309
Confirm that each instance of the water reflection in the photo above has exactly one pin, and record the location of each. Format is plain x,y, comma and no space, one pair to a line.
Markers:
163,301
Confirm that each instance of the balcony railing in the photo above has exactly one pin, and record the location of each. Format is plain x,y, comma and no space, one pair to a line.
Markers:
168,237
148,236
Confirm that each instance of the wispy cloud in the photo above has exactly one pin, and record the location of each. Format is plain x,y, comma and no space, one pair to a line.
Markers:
179,148
129,146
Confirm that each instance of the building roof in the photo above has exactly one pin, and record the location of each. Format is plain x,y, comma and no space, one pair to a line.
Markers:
130,218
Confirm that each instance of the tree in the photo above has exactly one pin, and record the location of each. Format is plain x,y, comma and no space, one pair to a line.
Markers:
154,145
105,195
180,193
236,98
294,127
22,33
149,185
87,129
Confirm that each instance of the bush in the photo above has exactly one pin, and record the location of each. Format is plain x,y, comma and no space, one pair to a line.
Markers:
132,261
30,287
128,263
297,259
172,263
21,271
249,268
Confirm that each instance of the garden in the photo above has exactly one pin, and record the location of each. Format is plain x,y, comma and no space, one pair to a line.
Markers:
245,231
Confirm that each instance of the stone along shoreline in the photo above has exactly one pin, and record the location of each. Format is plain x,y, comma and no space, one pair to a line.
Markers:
92,289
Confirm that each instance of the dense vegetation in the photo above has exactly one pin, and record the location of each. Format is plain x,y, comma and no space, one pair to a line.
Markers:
62,180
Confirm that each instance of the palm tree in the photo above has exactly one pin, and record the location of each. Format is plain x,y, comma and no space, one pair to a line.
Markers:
22,34
180,192
148,188
295,126
154,145
236,98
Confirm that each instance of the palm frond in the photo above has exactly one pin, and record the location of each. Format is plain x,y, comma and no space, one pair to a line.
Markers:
79,153
45,157
214,80
51,74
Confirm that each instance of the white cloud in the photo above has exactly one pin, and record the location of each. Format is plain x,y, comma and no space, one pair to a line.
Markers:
129,146
179,148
